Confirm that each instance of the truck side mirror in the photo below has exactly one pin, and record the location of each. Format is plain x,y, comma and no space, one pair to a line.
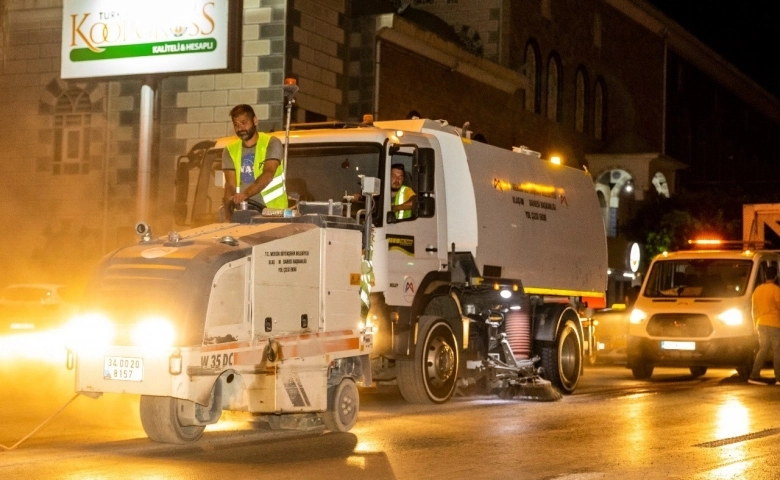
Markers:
426,206
424,161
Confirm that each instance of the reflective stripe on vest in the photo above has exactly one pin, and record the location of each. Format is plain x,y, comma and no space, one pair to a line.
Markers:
401,196
274,194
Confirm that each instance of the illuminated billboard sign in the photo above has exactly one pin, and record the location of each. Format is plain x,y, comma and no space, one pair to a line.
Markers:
108,38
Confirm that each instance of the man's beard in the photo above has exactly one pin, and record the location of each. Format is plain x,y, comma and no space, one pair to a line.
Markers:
247,134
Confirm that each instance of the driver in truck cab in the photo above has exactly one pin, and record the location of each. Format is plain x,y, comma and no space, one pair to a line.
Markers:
252,165
403,195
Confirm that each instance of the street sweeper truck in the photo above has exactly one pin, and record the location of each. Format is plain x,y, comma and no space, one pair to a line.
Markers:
476,282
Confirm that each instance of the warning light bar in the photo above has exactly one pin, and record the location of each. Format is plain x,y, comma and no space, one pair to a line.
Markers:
705,241
726,244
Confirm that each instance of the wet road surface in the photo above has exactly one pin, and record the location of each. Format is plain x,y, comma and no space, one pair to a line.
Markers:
613,427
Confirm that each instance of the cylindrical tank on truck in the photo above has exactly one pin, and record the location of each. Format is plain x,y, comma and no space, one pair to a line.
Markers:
503,242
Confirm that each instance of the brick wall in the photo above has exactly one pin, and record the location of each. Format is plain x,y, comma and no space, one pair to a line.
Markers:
189,109
627,56
316,55
477,21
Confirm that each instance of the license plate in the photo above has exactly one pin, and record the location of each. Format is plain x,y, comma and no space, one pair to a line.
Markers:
669,345
130,369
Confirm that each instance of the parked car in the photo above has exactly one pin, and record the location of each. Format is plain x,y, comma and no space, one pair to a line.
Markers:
36,306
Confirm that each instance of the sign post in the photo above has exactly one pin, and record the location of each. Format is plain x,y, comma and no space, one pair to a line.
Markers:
112,39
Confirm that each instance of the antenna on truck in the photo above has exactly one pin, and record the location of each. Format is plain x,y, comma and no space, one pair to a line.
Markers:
290,88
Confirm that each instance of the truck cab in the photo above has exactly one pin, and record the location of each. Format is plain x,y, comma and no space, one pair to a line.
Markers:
694,311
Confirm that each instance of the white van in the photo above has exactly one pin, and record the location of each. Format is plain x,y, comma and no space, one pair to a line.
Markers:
694,312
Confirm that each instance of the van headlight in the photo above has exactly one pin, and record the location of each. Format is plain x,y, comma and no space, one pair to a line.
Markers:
731,317
637,316
154,332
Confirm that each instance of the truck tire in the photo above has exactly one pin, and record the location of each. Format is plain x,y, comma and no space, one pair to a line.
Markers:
160,420
343,406
562,360
431,376
698,371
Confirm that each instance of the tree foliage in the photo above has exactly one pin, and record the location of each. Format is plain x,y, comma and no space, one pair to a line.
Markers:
667,224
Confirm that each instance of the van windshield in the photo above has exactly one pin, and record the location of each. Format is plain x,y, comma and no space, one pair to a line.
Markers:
698,278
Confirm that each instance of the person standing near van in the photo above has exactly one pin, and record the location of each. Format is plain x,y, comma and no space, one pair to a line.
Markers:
766,316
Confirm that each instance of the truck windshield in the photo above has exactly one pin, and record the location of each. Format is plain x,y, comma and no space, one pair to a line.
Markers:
318,173
698,278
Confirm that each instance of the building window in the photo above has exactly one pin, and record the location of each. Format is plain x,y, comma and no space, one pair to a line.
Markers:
599,109
533,72
580,101
554,88
72,113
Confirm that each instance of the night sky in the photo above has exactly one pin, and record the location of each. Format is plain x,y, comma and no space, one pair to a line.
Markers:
744,32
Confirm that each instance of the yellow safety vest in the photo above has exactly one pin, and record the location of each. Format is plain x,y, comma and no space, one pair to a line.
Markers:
401,196
274,194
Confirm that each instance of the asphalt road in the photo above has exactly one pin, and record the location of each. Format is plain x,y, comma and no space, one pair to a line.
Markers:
613,427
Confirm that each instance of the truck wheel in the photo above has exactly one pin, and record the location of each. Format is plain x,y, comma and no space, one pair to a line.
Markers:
343,406
430,377
562,360
160,420
698,371
642,371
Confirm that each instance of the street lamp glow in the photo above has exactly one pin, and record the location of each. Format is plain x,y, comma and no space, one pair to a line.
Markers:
555,160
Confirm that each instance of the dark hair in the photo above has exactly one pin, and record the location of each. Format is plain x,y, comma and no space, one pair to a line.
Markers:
771,272
398,166
242,109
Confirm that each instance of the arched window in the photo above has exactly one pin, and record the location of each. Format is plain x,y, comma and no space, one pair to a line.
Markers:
599,109
534,74
554,88
71,132
580,99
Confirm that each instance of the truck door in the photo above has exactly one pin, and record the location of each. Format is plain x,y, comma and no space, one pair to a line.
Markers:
414,244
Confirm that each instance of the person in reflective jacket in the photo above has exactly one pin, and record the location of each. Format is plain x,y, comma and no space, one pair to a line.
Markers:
403,195
252,163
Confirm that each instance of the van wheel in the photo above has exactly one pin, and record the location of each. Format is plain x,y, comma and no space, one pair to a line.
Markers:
745,370
160,419
343,406
642,371
431,376
698,371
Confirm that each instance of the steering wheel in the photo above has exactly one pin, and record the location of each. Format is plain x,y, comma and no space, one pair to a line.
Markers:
255,205
251,205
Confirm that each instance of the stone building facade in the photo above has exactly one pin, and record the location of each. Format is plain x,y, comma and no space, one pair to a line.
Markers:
605,83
